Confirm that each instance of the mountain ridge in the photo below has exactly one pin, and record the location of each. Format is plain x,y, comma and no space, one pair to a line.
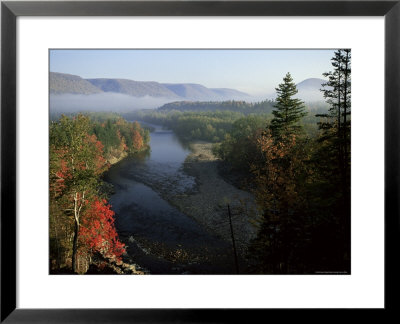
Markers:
132,87
68,83
63,83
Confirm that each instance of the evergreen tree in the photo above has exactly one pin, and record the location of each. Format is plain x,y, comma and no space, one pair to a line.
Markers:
332,162
337,91
288,110
280,177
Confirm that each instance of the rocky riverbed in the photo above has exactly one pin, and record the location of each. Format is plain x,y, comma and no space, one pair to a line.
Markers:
208,203
172,210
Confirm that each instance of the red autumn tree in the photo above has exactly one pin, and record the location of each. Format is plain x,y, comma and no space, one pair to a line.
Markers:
76,161
97,231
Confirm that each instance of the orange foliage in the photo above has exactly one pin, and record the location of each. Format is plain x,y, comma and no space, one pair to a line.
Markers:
99,162
276,177
122,146
137,140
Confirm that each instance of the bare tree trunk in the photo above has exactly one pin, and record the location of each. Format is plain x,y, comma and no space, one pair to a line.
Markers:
78,203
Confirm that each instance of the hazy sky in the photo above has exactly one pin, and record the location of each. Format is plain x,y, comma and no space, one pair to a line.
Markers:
256,72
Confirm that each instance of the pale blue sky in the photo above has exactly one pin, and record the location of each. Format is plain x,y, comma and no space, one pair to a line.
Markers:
256,72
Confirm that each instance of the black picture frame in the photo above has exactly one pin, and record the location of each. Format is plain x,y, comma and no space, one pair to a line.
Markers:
10,10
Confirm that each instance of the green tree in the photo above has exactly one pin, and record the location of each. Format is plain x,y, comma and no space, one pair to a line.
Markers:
332,163
239,147
280,178
288,110
337,91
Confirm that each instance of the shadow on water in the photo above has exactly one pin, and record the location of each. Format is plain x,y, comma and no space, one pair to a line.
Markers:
159,237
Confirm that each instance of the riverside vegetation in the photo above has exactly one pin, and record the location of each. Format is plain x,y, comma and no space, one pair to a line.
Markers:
294,158
82,231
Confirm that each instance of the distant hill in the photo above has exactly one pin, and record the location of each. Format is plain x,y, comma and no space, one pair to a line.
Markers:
192,91
67,83
61,83
230,93
309,90
311,84
133,88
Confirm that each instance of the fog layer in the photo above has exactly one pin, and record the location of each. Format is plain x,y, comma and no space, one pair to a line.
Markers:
107,101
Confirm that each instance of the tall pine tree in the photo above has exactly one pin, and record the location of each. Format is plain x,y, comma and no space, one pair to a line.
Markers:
288,110
280,177
337,91
332,161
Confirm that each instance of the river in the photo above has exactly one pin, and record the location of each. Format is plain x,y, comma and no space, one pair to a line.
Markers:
159,237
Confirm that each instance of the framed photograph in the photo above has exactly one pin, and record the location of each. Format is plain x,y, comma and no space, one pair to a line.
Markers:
198,160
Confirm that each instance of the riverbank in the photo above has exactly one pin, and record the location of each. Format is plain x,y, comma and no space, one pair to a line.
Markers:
208,204
158,235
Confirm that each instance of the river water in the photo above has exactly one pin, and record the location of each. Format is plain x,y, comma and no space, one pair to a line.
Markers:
159,237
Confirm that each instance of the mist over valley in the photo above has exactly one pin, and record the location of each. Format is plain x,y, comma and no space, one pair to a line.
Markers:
71,93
